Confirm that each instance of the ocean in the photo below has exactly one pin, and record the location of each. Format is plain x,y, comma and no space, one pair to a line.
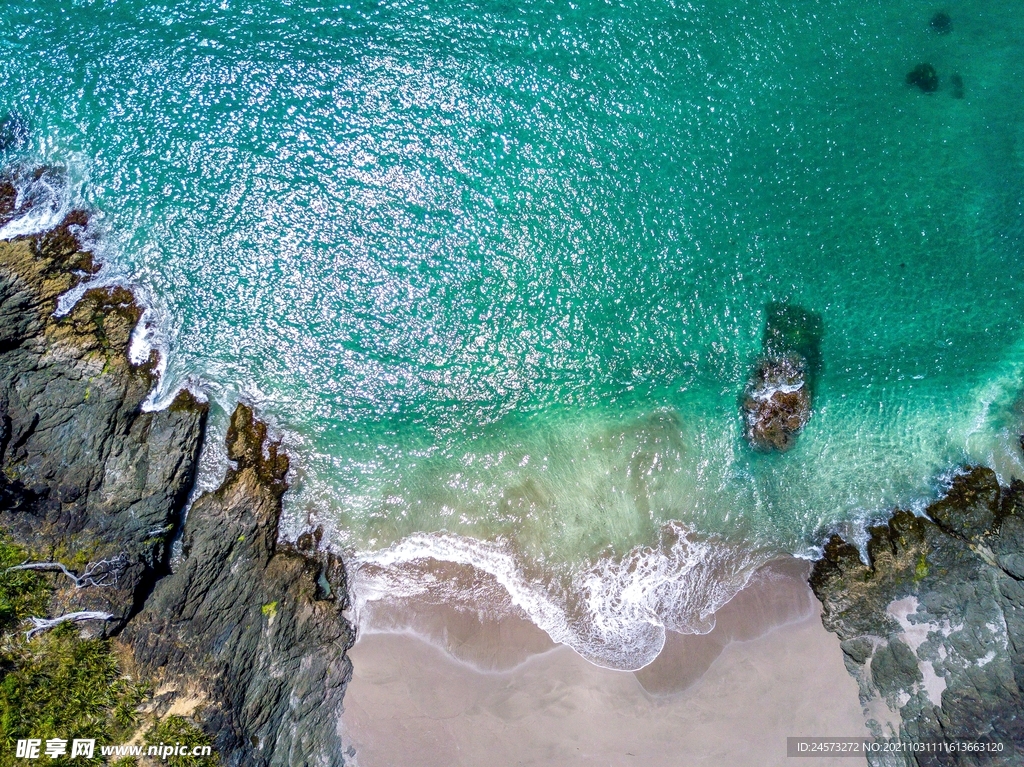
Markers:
497,273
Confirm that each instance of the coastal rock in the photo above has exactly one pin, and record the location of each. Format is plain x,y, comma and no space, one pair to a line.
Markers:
251,626
246,635
924,77
776,403
8,200
86,475
932,626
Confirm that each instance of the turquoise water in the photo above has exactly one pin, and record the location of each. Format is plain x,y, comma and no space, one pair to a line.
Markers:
500,270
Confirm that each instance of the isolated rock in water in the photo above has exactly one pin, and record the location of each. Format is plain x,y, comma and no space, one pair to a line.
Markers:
932,627
777,401
941,23
925,77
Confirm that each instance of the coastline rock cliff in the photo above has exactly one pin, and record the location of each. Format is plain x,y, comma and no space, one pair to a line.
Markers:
932,627
246,634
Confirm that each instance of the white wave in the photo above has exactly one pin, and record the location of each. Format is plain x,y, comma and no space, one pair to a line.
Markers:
43,200
768,390
615,613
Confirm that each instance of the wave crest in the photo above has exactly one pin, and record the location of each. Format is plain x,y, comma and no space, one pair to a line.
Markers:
614,613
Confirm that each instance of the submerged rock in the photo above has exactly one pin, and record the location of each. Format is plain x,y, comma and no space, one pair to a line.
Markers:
776,403
932,626
925,77
941,23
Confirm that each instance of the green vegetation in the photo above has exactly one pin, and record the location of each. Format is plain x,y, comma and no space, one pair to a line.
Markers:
269,609
59,685
56,685
921,570
22,593
176,730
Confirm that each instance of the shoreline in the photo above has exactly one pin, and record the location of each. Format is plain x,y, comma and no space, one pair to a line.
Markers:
767,671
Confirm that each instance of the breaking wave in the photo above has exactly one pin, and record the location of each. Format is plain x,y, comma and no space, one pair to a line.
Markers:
44,198
615,613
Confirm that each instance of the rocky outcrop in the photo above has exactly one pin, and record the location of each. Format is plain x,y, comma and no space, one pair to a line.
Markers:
87,476
776,404
259,622
932,626
246,634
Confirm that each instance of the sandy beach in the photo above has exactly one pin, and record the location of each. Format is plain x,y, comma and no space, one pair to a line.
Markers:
462,692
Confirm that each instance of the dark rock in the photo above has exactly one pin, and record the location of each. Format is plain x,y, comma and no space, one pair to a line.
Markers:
777,400
941,23
776,404
925,77
956,82
894,668
248,629
85,470
242,621
971,507
932,626
8,200
22,189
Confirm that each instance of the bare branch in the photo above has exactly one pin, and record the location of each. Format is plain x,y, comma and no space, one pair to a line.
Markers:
102,573
44,624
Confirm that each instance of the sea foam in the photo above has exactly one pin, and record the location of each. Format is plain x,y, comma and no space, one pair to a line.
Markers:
614,613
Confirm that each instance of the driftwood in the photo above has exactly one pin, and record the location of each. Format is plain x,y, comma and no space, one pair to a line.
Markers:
102,573
45,624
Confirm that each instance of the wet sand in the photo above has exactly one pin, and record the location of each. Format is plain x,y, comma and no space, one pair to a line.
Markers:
767,671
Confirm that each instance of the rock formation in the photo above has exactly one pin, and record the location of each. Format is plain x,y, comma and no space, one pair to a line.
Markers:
246,633
84,470
776,403
932,626
260,622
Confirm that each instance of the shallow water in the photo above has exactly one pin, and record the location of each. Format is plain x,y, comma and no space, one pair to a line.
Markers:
501,270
